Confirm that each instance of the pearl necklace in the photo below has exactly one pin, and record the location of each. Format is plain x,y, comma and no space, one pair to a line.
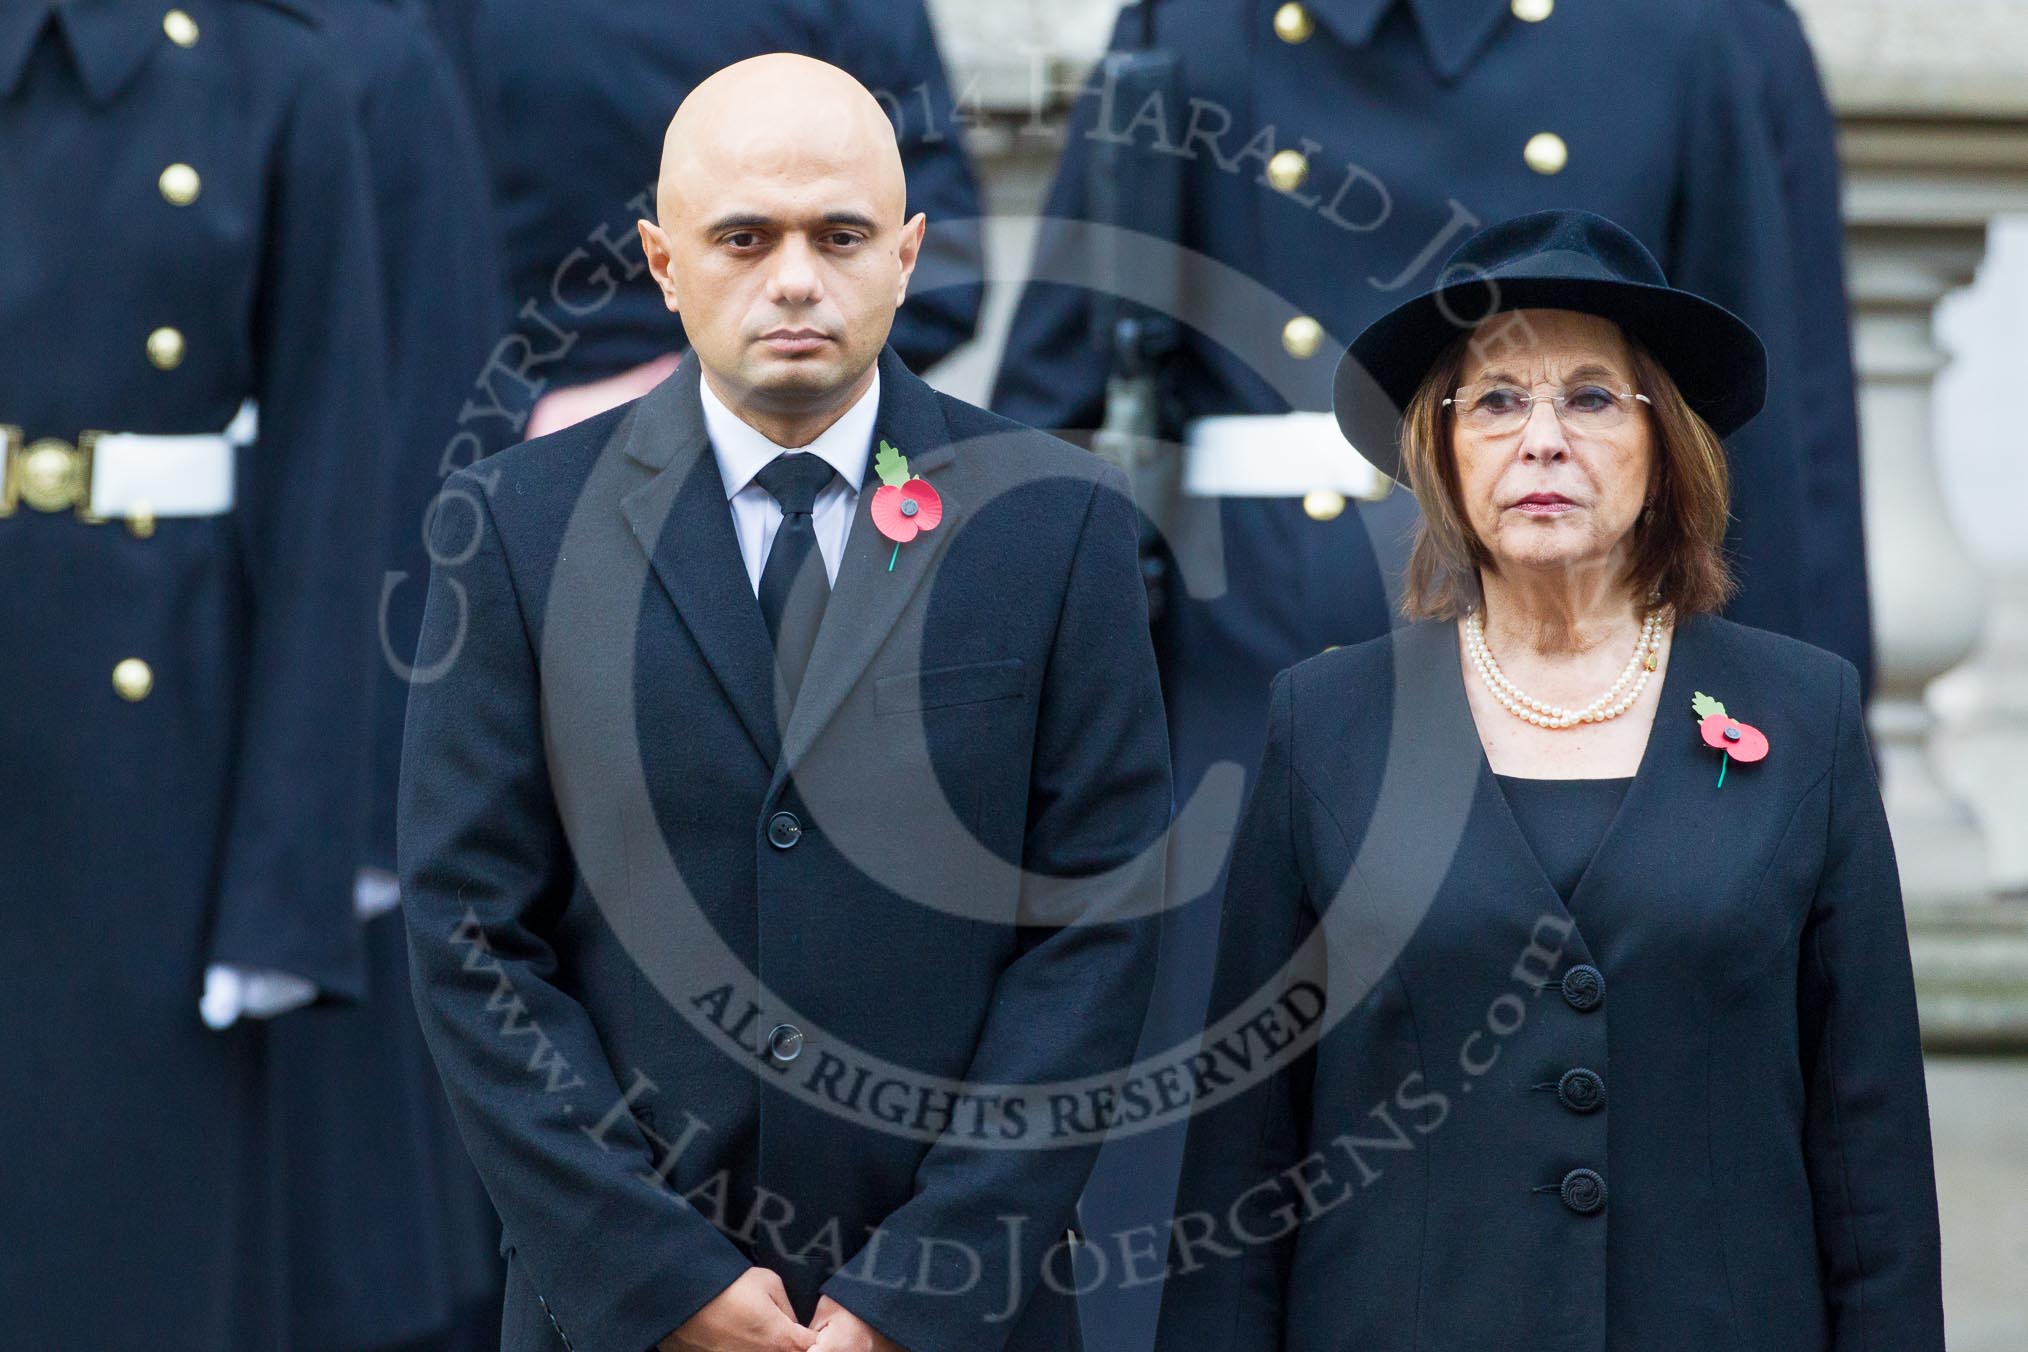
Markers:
1614,702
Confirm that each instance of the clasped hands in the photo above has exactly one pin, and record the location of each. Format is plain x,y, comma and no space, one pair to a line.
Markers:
754,1315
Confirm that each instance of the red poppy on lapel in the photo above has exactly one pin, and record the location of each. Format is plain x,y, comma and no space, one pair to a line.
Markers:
903,507
1739,741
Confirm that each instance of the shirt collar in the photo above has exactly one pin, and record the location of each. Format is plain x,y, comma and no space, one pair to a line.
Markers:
1452,31
110,40
742,452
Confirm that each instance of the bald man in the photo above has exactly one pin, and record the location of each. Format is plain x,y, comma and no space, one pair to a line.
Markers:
784,800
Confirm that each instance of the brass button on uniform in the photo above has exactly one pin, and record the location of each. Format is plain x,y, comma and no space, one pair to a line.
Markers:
1533,11
1293,23
1287,170
1546,153
132,680
165,348
50,475
1322,504
181,28
1302,336
179,184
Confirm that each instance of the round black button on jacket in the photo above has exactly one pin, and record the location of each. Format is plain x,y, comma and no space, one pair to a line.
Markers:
1584,1191
784,830
1584,987
1581,1090
785,1042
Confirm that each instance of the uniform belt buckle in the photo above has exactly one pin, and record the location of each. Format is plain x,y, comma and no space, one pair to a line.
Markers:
48,474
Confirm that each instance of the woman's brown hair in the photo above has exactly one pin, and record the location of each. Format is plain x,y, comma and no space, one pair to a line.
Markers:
1679,550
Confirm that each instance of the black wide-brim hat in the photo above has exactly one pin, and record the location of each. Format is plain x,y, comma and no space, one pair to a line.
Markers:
1549,260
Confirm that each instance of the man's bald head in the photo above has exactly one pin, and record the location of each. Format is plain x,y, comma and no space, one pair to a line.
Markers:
779,113
781,239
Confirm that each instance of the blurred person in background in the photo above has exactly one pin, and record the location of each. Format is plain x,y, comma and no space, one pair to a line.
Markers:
392,1243
191,412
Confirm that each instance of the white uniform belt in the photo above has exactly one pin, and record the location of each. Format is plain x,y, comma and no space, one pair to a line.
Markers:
1278,455
128,474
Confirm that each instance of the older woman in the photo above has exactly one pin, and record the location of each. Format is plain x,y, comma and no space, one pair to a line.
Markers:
1564,998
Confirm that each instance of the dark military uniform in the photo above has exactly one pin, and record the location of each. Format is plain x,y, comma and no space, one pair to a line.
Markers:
1805,134
183,228
577,96
1335,152
457,27
391,1238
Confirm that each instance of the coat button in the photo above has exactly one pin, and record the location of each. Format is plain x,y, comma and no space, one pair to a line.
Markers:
1583,1191
1581,1090
784,830
165,348
1323,504
1584,987
1293,23
132,680
180,28
1287,169
1546,153
180,185
785,1042
1301,337
1533,11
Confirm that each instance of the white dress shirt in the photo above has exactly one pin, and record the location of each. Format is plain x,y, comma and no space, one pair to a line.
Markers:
743,452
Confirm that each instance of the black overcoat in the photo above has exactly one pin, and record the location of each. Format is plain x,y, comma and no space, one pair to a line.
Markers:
658,932
1732,972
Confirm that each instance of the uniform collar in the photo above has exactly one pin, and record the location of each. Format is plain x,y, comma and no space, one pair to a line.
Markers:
20,25
112,39
846,445
109,39
1453,31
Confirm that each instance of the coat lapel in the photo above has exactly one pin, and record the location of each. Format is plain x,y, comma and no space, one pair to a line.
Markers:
1453,31
1667,764
681,518
1493,834
869,598
1677,772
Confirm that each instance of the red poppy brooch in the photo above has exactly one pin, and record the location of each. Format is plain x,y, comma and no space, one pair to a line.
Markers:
1739,741
903,506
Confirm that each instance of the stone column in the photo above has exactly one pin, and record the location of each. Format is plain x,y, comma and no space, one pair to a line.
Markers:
1926,587
1932,99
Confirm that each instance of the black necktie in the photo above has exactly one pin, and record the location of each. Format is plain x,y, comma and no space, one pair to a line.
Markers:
793,585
